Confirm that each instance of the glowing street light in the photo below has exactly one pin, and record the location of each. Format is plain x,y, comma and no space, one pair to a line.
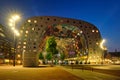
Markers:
12,23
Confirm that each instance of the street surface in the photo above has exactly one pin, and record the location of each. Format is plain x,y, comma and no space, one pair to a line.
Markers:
39,73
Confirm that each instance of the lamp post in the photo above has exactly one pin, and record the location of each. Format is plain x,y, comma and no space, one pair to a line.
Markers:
12,23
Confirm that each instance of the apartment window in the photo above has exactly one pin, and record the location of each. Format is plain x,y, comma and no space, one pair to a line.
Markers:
54,19
96,31
48,19
34,47
19,42
26,31
24,42
18,46
29,21
93,30
34,50
24,46
35,21
33,28
67,21
21,31
73,21
38,28
41,25
61,20
81,31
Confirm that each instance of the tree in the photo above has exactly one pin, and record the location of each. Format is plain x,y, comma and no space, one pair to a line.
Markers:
62,57
51,46
41,56
48,56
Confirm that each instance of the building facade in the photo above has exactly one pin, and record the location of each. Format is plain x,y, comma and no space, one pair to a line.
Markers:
5,46
77,39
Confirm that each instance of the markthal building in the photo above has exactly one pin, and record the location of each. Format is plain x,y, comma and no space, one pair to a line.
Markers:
77,39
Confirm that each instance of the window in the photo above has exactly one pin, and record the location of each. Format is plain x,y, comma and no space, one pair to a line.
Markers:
73,21
41,25
48,19
21,31
18,46
24,46
67,21
96,31
34,50
29,21
35,21
93,30
54,19
61,20
24,42
33,28
19,42
26,32
38,28
81,31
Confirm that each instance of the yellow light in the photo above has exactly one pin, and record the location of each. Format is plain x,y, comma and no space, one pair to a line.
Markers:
10,24
101,44
16,32
18,56
11,20
16,17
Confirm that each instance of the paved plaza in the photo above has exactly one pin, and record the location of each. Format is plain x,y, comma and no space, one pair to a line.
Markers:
39,73
8,72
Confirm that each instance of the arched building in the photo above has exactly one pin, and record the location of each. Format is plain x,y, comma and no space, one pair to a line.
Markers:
76,38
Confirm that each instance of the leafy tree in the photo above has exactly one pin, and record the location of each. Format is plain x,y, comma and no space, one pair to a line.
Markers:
51,46
41,56
62,57
48,56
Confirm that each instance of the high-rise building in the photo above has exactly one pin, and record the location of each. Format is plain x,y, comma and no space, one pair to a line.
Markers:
5,46
78,39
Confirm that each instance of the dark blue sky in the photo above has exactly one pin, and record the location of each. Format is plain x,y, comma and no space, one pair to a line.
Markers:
105,14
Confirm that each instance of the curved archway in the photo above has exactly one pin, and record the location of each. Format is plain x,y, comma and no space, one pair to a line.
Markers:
76,34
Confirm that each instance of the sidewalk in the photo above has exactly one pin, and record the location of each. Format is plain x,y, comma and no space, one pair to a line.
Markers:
89,75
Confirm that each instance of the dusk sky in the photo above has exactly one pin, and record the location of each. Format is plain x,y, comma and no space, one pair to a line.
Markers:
104,14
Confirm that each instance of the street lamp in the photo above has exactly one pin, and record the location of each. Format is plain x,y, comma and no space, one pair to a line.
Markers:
12,23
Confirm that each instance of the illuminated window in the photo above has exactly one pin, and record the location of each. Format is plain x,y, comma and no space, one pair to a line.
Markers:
97,43
29,21
18,47
81,31
34,50
24,46
26,31
93,30
35,39
25,35
35,21
21,31
19,42
96,31
24,42
33,29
